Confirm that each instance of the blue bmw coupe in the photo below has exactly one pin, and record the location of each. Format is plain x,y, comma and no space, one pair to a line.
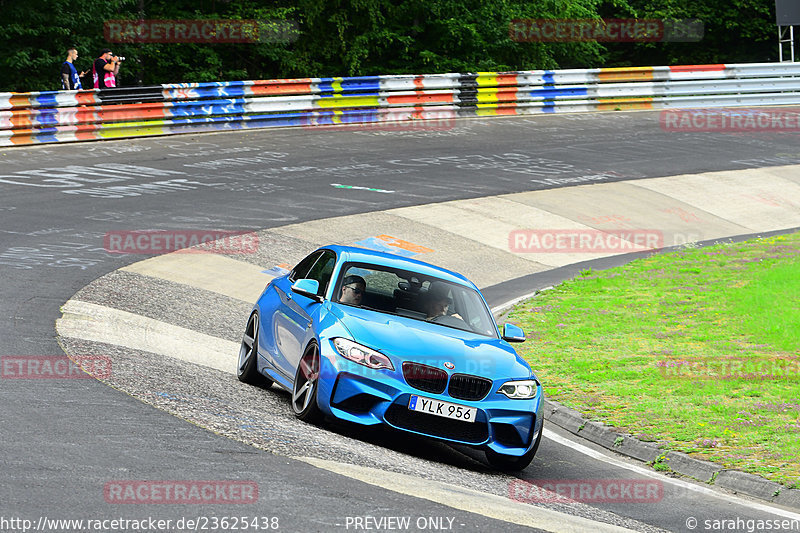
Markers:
375,338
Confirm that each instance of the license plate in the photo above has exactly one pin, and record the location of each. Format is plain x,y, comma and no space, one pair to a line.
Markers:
439,408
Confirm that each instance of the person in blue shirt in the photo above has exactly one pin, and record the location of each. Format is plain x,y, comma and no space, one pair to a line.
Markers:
70,79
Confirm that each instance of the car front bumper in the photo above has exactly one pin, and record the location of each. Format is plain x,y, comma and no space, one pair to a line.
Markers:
355,393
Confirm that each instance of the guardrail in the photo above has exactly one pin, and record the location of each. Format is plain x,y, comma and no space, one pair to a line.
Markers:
63,116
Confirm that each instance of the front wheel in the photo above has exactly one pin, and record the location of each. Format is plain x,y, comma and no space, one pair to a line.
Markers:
246,369
306,382
510,463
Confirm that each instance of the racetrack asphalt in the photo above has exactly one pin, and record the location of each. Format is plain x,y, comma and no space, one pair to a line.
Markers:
71,436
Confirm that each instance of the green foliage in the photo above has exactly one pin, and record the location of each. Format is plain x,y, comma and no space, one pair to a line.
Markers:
362,37
660,464
37,34
756,302
736,31
419,36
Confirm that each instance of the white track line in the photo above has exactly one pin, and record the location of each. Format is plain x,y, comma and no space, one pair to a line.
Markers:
473,501
683,485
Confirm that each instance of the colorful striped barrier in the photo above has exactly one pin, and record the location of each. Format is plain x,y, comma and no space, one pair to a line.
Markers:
64,116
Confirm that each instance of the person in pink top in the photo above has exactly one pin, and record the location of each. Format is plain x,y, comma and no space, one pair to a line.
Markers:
105,70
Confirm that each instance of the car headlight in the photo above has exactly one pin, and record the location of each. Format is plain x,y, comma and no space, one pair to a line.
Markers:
361,354
525,389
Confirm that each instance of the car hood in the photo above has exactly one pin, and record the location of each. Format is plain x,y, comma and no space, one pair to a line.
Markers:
406,339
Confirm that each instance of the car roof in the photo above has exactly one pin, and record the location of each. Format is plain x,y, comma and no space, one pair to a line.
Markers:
354,254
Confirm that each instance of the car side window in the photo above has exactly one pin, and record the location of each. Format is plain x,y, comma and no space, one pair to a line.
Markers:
322,270
302,268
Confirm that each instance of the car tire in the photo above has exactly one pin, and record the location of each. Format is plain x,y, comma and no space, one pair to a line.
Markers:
306,382
247,368
510,463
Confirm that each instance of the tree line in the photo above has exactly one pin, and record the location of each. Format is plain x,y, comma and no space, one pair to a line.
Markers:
312,38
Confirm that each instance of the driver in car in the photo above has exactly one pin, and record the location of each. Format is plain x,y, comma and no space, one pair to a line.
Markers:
353,290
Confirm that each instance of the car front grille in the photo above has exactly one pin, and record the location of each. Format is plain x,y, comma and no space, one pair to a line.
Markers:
402,417
425,378
431,379
466,387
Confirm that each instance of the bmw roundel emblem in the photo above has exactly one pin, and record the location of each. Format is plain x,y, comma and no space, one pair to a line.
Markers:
448,365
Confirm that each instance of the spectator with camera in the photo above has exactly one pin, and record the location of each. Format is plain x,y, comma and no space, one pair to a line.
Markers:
105,69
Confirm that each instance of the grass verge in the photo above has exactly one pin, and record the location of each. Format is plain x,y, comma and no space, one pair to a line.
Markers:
697,350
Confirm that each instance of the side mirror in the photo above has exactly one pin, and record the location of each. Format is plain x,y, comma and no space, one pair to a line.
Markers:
307,288
512,333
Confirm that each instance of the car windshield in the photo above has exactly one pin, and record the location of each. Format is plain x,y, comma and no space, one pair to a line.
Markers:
414,295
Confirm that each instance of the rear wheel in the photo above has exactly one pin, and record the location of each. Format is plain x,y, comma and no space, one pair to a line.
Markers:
510,463
306,382
246,369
